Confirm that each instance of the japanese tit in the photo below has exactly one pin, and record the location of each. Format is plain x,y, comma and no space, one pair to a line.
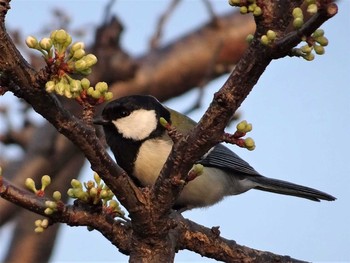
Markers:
141,146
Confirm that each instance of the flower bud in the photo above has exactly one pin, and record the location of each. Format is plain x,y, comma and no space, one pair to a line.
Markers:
77,45
85,83
32,42
101,87
80,65
50,86
75,85
108,96
257,11
90,60
45,181
30,184
46,43
96,94
319,50
78,54
297,12
298,22
76,184
57,195
271,35
61,36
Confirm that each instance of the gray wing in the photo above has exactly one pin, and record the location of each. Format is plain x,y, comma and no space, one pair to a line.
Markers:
222,157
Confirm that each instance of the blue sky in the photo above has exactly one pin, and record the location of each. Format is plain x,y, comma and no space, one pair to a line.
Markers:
299,111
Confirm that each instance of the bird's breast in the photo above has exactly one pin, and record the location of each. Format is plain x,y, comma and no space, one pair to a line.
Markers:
150,160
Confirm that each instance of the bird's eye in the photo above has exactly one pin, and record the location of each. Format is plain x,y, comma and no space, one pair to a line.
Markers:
124,113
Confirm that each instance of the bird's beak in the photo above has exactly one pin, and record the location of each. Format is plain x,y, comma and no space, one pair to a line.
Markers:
100,121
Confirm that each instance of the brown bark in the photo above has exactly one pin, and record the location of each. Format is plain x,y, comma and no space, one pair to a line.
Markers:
155,232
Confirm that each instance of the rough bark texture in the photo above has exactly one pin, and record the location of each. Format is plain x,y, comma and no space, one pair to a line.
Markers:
155,232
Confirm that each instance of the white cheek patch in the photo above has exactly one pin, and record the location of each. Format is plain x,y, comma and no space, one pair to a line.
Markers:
138,125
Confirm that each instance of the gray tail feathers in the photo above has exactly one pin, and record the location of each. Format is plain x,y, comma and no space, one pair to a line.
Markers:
286,188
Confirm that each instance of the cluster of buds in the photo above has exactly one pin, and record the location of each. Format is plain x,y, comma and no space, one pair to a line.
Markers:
246,6
298,15
41,225
316,42
268,38
95,192
45,181
63,60
51,206
242,129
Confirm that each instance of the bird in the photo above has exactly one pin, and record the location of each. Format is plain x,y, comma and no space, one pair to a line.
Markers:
141,145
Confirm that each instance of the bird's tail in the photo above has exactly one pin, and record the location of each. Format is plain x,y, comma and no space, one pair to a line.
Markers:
286,188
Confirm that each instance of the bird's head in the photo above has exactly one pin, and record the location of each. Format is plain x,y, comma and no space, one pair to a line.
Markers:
134,118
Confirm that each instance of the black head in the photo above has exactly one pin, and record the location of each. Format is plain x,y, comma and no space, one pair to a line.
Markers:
134,117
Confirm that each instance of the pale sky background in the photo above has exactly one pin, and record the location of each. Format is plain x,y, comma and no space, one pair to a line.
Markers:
299,111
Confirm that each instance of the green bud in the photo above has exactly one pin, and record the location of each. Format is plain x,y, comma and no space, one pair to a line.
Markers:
30,184
97,178
46,43
60,88
68,94
298,13
76,184
80,65
309,57
101,87
243,9
50,86
78,54
51,204
70,192
57,195
163,122
108,96
90,60
241,126
80,194
37,222
45,181
113,204
312,9
249,38
298,22
75,85
271,35
48,211
93,192
44,223
32,42
85,83
104,194
249,143
264,40
248,127
198,169
318,33
251,7
96,94
234,2
306,49
90,90
319,50
86,71
77,45
53,35
323,41
257,11
39,229
61,36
